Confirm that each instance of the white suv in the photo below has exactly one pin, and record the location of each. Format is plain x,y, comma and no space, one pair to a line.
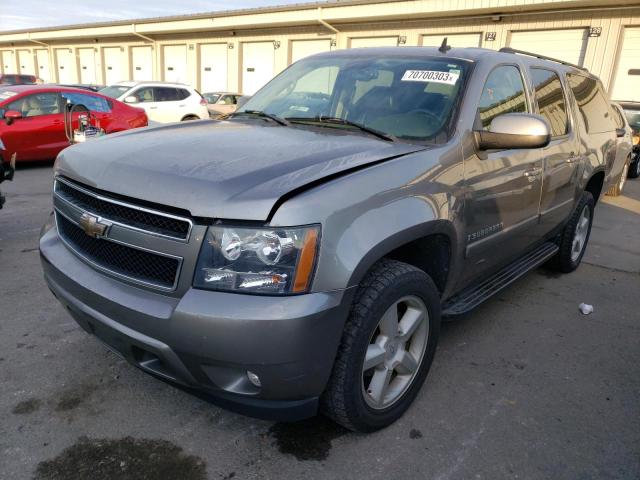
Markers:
164,102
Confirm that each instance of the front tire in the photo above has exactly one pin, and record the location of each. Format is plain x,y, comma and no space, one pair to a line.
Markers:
575,236
387,348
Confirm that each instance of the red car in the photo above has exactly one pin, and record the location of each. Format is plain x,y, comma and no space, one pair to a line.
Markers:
32,124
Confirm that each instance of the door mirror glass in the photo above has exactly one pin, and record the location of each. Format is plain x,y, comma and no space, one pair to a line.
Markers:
514,130
131,99
12,115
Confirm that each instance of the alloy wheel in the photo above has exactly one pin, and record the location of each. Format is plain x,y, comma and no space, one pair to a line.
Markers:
580,235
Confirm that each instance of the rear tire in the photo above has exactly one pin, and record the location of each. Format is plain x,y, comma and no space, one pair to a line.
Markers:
393,325
575,236
618,187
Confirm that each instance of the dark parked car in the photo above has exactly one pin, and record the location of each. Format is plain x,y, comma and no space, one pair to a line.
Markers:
17,79
298,256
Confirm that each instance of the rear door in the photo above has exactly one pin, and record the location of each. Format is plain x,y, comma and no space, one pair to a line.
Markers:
39,134
503,186
562,156
226,104
170,106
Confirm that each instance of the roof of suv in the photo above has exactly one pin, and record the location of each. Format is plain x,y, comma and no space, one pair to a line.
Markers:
471,54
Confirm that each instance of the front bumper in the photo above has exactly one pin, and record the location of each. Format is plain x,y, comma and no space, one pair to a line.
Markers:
205,341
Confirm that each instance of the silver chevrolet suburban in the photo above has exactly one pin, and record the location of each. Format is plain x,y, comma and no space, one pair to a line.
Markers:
297,256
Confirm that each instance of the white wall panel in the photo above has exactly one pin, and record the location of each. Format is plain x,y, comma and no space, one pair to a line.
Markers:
65,65
257,65
459,40
142,63
213,67
8,61
43,65
174,63
25,62
569,45
304,48
359,42
113,65
87,58
626,85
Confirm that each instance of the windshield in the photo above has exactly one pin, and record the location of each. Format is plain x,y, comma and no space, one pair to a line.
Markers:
211,97
114,91
407,97
633,117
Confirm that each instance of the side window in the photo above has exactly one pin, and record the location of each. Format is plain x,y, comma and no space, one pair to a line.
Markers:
551,100
144,94
183,93
503,92
165,94
93,103
37,104
228,100
594,107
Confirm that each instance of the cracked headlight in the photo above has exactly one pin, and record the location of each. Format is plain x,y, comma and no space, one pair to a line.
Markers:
275,261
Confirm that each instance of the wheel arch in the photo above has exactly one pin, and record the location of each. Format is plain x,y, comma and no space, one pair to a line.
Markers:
437,237
595,184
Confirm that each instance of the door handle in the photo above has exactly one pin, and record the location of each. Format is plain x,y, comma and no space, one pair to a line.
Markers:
152,108
183,105
534,172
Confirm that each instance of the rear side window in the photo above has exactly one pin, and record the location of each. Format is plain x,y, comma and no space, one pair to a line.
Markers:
551,100
503,92
592,103
93,103
183,93
617,117
166,94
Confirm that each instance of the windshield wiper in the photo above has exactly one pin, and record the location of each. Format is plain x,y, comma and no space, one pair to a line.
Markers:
343,121
259,113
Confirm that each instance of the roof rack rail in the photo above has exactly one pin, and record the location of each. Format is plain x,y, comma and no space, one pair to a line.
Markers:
542,57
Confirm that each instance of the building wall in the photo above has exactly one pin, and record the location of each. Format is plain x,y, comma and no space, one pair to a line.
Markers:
600,56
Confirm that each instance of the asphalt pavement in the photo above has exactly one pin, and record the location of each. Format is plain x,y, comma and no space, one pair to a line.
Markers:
525,387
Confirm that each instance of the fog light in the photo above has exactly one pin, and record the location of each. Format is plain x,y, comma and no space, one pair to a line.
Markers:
253,378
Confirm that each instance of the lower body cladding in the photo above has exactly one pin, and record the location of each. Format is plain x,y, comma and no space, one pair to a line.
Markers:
211,343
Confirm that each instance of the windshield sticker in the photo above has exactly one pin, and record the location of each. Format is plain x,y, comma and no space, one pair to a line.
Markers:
430,76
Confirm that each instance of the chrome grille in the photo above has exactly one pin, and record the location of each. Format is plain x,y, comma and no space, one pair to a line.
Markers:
119,238
114,210
143,266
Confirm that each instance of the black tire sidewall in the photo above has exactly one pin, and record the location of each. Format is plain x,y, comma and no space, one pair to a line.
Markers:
566,264
362,416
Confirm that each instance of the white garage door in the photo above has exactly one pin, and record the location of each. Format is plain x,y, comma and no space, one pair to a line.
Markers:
374,42
175,63
8,62
257,65
142,63
460,40
213,67
42,61
568,45
626,85
66,62
87,66
25,62
113,71
304,48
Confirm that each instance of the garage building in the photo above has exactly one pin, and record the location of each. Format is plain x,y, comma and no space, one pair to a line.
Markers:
241,50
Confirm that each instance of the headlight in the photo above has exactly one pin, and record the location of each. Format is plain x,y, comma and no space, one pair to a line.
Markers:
258,260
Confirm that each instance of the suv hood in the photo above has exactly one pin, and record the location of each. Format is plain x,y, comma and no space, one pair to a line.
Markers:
231,169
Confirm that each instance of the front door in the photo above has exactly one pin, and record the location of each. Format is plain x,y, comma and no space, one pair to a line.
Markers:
503,187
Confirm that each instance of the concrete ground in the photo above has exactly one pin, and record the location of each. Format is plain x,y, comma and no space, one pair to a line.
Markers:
525,387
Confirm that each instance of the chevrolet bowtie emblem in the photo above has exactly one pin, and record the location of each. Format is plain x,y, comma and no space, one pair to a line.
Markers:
92,225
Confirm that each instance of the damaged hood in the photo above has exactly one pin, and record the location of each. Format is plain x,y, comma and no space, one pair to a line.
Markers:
231,170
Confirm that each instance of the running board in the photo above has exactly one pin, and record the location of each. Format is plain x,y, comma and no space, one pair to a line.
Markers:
472,296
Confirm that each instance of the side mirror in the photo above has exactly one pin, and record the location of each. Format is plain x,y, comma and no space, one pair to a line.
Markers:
11,116
131,99
243,99
513,131
620,132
